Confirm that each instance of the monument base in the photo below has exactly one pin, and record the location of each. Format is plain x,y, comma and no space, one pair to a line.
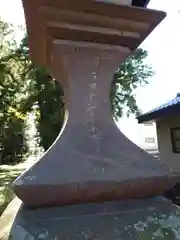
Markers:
153,218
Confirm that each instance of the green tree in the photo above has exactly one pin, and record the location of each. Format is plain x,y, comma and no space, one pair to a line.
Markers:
12,141
128,77
44,96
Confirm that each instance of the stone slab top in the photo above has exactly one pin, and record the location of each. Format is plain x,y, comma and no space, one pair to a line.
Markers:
153,218
85,20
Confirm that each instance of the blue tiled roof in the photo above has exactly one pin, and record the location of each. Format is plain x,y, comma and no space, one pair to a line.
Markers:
170,107
172,102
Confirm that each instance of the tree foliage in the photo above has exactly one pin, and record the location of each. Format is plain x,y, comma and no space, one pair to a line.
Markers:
43,96
12,141
28,88
129,76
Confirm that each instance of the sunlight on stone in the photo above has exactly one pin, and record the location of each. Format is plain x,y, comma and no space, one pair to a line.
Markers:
162,227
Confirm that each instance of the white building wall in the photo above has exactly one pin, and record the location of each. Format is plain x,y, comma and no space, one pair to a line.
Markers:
148,136
140,133
165,144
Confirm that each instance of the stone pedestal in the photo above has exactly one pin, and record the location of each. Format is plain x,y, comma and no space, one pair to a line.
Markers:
154,218
91,160
83,43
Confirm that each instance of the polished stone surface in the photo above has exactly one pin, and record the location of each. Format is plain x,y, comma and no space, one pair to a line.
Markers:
82,43
149,219
91,160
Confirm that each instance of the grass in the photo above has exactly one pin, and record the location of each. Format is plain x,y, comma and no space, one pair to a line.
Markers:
7,175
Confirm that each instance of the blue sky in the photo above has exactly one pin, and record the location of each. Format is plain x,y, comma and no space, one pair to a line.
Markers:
163,46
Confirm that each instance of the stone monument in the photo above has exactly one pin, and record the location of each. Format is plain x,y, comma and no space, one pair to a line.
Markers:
84,185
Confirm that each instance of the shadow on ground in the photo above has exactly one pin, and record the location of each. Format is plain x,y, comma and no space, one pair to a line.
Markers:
7,175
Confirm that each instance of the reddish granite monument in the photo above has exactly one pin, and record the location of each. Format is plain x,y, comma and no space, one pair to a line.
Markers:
82,42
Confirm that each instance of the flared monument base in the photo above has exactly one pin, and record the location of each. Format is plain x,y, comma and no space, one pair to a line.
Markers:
91,160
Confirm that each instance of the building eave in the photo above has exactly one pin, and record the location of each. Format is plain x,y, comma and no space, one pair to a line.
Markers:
161,113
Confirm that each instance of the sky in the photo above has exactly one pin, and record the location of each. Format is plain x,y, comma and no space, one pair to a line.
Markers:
163,46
